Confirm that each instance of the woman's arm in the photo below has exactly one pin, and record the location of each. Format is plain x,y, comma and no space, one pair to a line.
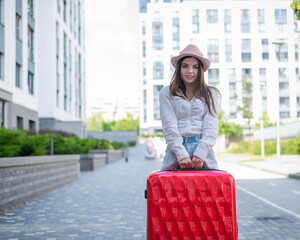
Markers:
169,125
209,129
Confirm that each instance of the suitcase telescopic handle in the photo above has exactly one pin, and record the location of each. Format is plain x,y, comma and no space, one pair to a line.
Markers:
192,169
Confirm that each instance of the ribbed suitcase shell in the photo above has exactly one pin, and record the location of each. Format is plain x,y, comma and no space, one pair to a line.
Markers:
191,205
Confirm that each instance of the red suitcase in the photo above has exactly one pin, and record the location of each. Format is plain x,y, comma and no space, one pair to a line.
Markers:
191,204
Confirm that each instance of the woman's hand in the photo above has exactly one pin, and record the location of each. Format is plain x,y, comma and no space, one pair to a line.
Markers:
185,163
197,162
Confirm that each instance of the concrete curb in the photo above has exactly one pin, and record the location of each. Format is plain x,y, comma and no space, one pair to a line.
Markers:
292,175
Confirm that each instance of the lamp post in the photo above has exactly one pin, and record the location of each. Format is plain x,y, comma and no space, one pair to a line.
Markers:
279,44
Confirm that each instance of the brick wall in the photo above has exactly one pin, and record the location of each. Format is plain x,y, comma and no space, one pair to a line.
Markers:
92,162
23,179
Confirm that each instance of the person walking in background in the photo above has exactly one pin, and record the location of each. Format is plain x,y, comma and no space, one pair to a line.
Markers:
189,113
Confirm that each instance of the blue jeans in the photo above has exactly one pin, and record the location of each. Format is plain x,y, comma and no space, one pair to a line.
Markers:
190,144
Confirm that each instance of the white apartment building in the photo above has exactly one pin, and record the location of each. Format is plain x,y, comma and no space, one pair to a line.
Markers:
42,77
256,40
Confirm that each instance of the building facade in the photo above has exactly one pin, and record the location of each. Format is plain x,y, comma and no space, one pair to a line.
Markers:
253,41
43,74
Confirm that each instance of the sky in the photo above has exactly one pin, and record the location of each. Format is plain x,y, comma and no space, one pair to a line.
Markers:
111,28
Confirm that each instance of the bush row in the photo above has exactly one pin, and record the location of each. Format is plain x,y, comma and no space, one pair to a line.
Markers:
287,147
15,143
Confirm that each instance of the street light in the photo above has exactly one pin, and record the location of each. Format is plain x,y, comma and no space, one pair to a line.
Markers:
279,44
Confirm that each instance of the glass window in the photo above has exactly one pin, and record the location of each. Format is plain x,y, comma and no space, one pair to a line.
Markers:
58,6
30,8
144,28
227,21
213,77
65,10
32,125
30,45
281,50
195,21
246,50
283,73
156,110
2,11
157,35
1,66
212,16
18,27
158,70
297,74
265,49
213,50
30,83
228,50
20,123
261,20
245,20
281,19
145,104
296,51
18,75
144,48
247,72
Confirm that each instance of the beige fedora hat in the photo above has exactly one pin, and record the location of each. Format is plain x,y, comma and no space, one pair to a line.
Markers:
193,51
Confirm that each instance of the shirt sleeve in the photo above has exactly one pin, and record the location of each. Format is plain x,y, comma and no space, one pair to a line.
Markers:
169,125
209,130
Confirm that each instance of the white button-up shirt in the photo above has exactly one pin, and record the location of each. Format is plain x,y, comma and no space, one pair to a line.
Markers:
186,118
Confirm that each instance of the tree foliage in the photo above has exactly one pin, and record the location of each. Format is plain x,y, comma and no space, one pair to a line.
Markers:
230,130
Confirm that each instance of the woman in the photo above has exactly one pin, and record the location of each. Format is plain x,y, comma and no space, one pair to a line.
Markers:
189,113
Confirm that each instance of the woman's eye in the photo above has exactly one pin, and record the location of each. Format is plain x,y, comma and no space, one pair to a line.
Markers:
196,67
184,66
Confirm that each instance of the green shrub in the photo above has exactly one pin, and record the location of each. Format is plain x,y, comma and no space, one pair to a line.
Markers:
131,143
35,145
10,142
118,145
104,144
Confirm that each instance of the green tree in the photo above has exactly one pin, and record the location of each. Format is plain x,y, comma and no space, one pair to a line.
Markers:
126,124
230,130
266,121
95,123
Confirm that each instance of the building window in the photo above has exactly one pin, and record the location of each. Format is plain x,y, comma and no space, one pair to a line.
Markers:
245,20
247,72
30,45
176,31
228,50
79,23
265,49
156,111
227,21
285,114
144,73
20,123
246,50
58,6
18,27
144,48
195,21
1,66
284,102
297,74
157,35
32,126
280,20
30,83
282,50
213,50
296,51
212,16
145,104
2,11
158,70
18,75
2,113
261,20
213,77
144,28
283,74
65,88
57,82
30,8
65,10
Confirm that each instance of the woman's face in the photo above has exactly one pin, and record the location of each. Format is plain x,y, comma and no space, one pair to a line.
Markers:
189,70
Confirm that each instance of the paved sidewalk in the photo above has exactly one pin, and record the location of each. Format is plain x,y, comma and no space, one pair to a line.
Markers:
288,165
109,204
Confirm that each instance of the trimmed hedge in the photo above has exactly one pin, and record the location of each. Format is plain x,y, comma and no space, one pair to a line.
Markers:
14,143
287,147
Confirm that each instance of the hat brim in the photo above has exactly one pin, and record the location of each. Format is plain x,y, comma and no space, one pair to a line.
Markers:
205,61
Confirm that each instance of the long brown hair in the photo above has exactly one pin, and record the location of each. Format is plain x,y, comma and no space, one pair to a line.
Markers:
200,90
